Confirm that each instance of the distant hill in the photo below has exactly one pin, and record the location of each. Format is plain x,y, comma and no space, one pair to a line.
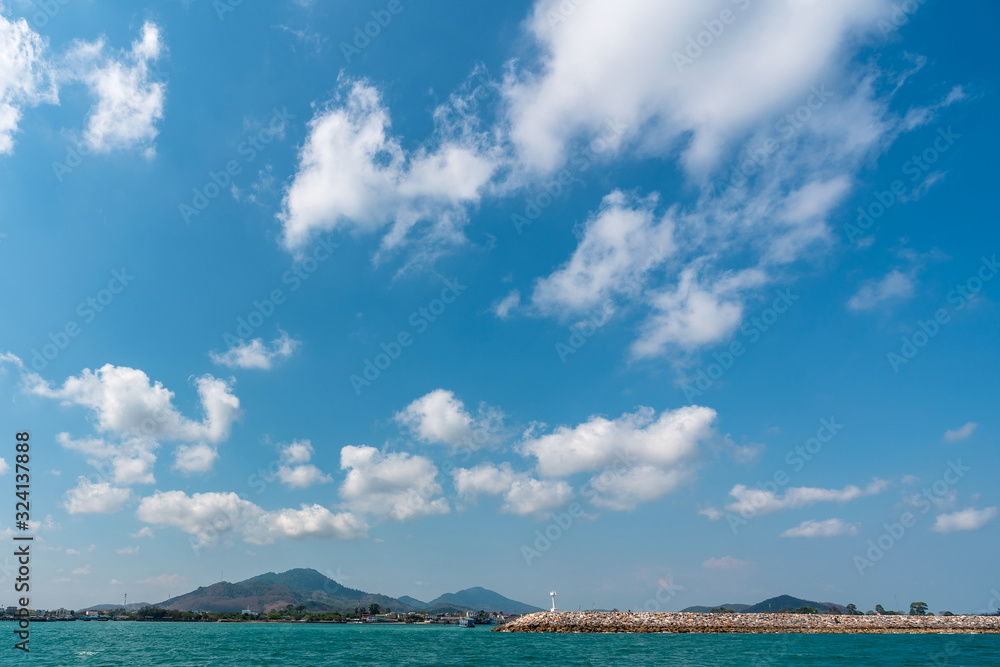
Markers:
316,592
267,592
704,610
413,602
481,598
787,602
772,605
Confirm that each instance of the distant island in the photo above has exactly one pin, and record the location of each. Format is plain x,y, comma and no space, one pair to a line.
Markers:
305,593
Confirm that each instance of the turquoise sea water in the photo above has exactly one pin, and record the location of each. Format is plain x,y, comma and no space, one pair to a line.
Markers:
222,645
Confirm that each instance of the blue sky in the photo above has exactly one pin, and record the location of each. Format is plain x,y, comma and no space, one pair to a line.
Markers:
655,305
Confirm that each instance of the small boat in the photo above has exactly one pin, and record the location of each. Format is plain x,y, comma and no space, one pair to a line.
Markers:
466,623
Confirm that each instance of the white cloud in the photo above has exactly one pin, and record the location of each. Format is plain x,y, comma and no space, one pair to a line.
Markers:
127,551
641,437
725,563
618,246
299,451
82,571
211,516
131,461
302,476
893,286
395,485
828,528
256,354
750,501
129,102
504,306
618,61
522,493
25,80
127,403
145,531
961,433
354,175
970,519
95,498
635,485
696,312
193,459
440,417
10,357
4,466
296,472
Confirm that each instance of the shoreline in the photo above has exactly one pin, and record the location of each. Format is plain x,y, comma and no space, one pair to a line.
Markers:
680,622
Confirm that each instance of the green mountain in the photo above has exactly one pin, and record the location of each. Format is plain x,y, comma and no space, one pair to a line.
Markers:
267,592
789,603
772,605
316,592
481,598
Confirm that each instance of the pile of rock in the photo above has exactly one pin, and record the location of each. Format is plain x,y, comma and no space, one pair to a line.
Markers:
565,621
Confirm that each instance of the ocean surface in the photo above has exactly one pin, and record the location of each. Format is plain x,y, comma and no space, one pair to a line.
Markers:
225,644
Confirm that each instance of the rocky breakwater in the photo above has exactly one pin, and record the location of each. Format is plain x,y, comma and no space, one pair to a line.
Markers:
747,623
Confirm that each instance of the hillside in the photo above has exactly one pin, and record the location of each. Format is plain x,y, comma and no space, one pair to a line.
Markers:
316,592
270,591
787,603
481,598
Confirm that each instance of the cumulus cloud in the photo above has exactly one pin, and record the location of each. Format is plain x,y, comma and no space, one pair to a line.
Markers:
26,78
212,516
750,501
522,494
95,498
828,528
296,472
964,520
618,245
192,459
126,402
394,485
642,437
130,461
893,286
614,61
440,417
353,174
128,100
255,354
725,563
961,433
4,466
